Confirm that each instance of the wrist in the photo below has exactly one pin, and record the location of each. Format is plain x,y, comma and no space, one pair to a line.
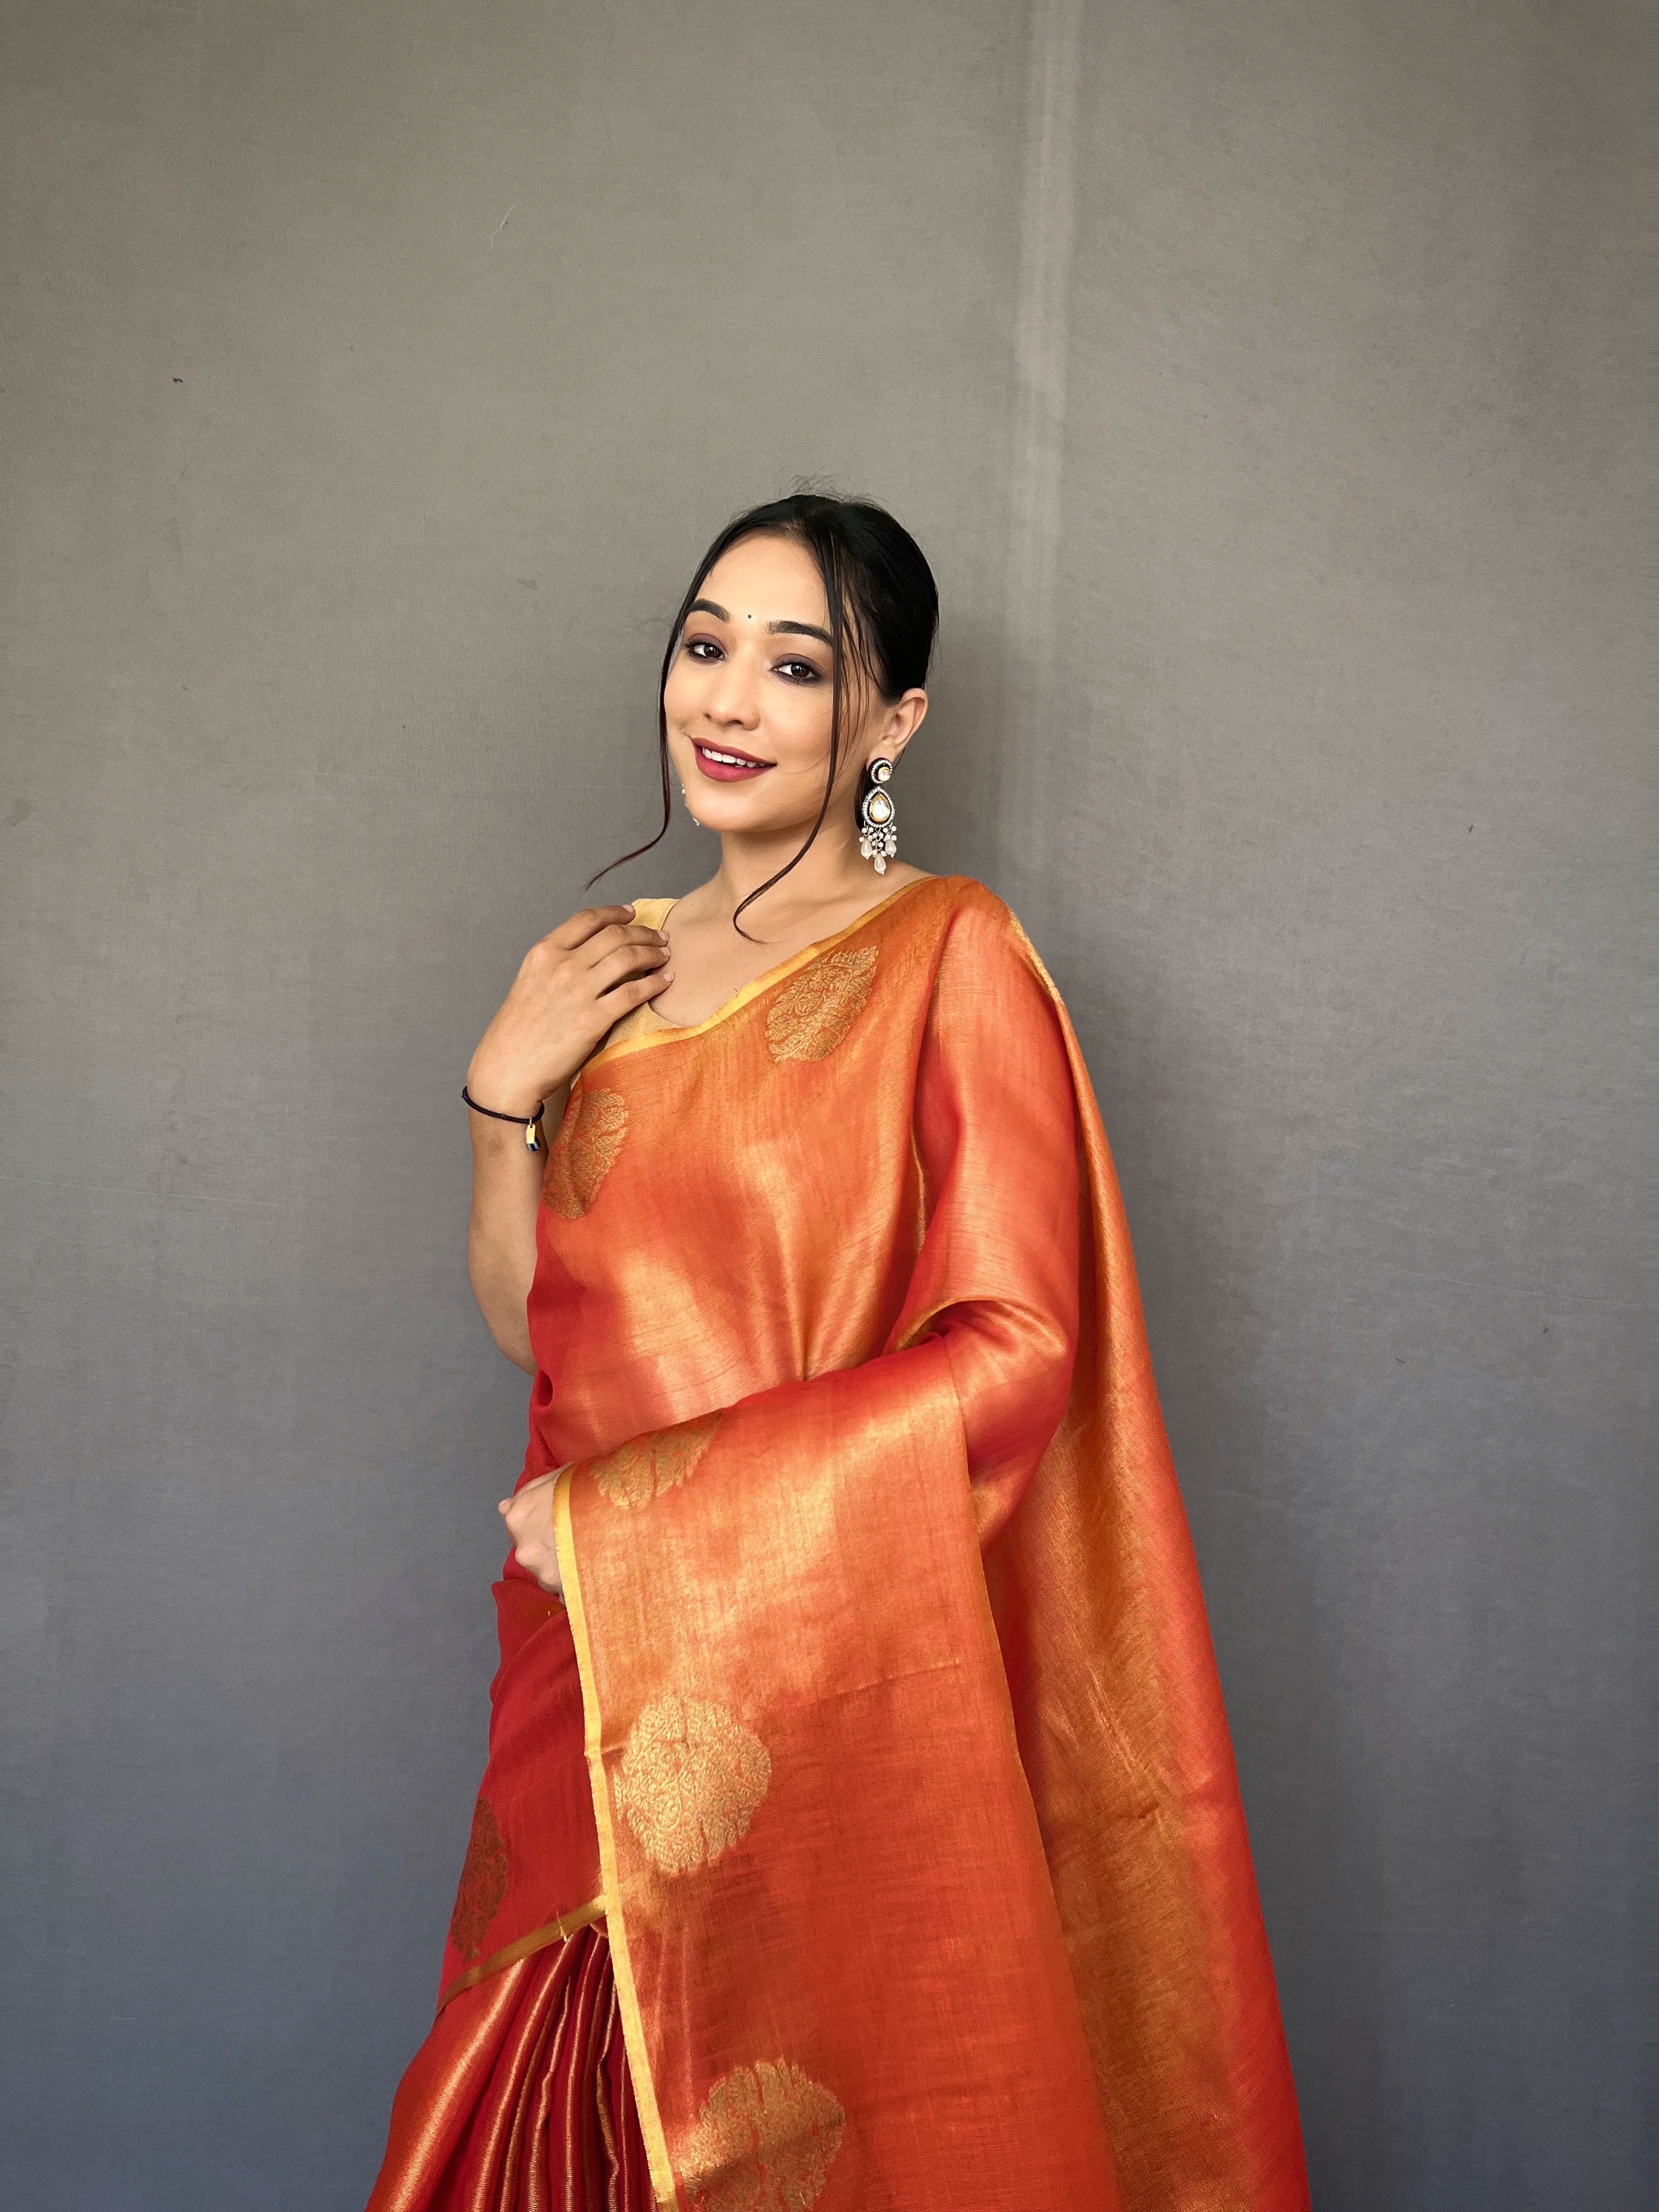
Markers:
500,1094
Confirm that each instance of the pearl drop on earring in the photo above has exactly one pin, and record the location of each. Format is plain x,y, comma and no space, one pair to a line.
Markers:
878,835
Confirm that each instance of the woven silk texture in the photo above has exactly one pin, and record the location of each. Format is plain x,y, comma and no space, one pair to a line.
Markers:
883,1727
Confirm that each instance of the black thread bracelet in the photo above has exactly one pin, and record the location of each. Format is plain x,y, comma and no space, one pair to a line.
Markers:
532,1142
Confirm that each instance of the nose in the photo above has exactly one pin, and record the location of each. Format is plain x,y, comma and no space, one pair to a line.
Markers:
731,697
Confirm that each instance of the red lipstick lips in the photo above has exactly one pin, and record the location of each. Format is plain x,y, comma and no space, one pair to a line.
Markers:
721,765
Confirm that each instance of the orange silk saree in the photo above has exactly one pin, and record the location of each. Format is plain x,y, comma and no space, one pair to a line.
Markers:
884,1729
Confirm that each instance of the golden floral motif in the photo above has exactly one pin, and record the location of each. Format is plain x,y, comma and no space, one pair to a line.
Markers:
645,1467
585,1151
764,2141
689,1777
483,1882
815,1014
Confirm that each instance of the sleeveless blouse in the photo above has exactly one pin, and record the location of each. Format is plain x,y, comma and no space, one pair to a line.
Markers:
653,912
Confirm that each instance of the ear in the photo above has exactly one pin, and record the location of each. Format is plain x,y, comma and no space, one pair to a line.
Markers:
899,724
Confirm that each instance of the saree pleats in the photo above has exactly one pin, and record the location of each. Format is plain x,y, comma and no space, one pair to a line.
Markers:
519,2100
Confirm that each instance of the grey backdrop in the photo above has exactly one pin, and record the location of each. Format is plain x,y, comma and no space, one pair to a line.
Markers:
1271,389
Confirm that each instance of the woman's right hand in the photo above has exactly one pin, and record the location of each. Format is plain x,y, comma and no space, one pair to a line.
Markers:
570,989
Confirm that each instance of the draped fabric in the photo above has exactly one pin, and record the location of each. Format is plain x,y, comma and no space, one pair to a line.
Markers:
912,1814
520,2101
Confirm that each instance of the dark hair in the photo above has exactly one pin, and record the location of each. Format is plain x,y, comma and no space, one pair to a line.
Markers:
884,612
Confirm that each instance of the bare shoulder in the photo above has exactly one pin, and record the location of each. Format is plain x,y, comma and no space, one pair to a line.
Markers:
899,876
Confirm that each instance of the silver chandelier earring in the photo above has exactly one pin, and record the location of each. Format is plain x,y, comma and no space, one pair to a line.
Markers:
878,837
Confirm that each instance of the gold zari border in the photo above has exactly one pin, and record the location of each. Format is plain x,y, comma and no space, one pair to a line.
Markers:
555,1932
674,1031
627,2001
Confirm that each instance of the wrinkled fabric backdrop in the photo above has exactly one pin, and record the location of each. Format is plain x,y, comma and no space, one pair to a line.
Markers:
1270,389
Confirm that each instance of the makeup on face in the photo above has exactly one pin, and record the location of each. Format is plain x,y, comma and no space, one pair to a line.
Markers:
784,628
721,765
753,671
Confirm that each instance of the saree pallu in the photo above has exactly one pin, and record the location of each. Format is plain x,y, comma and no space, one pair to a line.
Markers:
914,1821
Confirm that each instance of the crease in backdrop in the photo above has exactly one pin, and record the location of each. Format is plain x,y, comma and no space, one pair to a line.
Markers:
1273,397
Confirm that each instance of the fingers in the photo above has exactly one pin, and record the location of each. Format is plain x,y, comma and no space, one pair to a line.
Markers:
634,992
627,960
619,935
581,927
529,1517
522,1511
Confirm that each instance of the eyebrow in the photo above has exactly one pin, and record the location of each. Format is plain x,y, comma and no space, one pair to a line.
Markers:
773,629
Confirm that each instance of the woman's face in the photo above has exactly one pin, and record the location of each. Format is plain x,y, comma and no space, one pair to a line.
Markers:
748,696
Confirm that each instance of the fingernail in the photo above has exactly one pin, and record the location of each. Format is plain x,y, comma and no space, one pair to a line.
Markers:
667,975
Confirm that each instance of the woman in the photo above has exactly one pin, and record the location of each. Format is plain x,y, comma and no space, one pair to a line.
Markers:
860,1826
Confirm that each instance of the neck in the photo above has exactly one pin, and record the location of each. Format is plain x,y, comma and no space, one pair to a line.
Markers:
831,871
